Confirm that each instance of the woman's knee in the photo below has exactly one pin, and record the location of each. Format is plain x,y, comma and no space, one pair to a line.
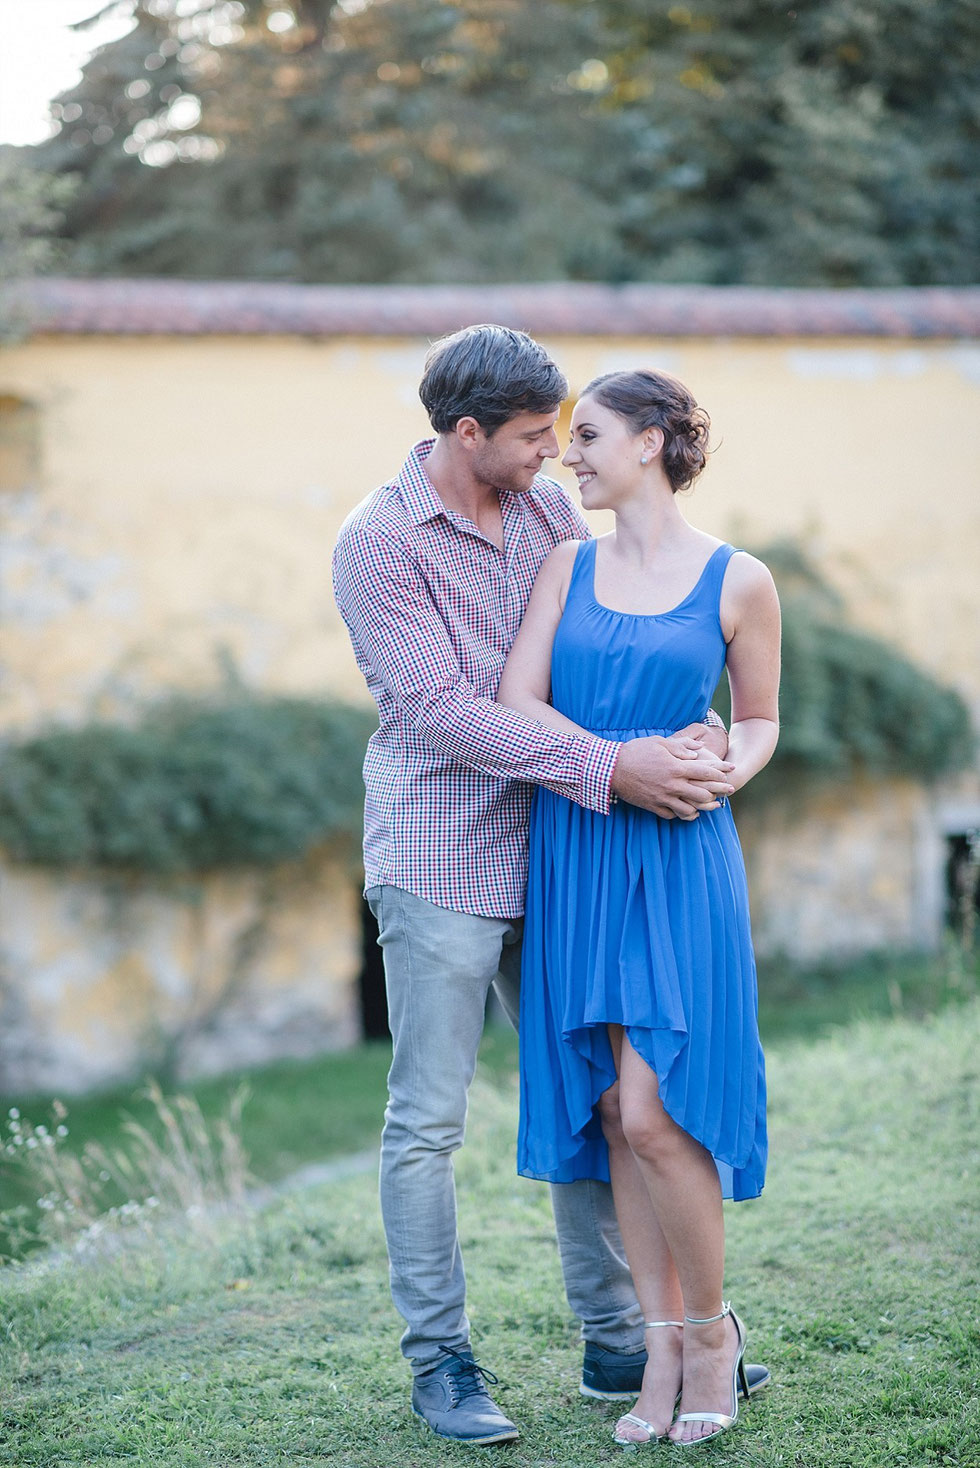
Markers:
610,1116
648,1131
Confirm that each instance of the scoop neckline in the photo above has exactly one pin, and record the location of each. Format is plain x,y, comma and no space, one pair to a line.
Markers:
650,616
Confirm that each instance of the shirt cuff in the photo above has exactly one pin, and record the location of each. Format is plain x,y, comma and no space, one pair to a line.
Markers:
714,721
600,762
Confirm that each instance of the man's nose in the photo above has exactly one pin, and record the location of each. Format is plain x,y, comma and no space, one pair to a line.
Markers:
549,447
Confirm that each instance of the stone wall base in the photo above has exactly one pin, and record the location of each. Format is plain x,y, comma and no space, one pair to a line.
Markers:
103,981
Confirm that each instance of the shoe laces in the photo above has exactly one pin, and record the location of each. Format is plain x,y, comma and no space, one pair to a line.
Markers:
469,1378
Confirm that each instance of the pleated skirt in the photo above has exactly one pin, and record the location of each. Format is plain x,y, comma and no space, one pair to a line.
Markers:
640,922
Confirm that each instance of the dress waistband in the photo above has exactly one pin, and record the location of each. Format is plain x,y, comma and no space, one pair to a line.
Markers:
623,734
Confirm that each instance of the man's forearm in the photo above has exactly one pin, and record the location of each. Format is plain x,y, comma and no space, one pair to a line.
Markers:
503,742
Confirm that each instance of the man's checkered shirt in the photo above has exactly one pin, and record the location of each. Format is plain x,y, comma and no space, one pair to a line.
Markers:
432,608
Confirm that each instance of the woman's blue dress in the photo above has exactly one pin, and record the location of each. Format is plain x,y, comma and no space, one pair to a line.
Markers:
637,921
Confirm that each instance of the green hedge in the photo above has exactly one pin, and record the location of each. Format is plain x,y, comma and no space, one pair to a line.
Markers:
192,788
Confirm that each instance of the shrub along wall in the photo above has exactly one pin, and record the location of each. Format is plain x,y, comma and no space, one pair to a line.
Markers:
192,788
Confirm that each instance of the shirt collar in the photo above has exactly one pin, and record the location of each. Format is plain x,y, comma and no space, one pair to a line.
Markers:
419,495
417,490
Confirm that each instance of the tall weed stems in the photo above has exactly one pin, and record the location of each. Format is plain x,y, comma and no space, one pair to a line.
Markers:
180,1168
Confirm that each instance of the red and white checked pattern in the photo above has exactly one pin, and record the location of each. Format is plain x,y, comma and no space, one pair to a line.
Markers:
432,608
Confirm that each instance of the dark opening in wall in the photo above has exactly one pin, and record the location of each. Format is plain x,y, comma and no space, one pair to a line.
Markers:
374,1001
963,884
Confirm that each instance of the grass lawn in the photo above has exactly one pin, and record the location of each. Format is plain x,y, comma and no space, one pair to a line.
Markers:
267,1337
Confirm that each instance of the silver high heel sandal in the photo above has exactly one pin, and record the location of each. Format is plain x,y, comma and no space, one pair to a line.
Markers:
631,1417
723,1420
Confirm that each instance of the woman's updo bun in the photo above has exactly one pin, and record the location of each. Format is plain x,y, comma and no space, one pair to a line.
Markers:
656,400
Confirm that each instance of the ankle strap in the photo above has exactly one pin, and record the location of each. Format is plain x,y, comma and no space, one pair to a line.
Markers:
658,1324
725,1310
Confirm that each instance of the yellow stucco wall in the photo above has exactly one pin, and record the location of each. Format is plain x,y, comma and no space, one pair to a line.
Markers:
191,490
187,497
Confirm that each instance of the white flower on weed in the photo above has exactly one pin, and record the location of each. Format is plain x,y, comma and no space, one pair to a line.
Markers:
40,1131
62,1131
103,1176
14,1114
32,1141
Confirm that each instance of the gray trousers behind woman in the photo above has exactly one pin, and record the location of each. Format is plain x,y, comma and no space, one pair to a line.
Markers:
439,968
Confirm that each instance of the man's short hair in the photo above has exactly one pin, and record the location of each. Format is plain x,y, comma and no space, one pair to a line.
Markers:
489,373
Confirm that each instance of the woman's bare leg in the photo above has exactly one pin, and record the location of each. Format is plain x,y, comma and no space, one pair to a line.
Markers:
652,1267
682,1188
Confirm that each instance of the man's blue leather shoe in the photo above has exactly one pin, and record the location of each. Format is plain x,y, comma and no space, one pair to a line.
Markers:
453,1400
616,1376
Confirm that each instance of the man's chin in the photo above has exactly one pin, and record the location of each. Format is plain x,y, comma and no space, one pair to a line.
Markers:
516,484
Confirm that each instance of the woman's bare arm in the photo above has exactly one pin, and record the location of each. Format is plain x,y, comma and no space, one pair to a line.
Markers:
525,683
750,621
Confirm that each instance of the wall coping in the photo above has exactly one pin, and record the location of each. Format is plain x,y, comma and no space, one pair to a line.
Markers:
133,307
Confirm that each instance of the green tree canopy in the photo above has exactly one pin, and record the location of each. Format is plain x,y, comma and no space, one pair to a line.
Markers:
830,142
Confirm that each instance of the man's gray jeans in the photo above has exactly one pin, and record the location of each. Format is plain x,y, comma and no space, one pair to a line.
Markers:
439,967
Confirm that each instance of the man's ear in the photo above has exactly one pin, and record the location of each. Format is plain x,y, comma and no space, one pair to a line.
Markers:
469,433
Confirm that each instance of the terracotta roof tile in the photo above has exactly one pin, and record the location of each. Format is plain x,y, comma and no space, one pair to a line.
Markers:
201,308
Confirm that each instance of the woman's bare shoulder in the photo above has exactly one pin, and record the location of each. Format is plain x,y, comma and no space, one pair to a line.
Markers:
557,564
748,575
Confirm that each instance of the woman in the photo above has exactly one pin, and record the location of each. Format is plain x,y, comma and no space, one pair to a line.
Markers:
640,1049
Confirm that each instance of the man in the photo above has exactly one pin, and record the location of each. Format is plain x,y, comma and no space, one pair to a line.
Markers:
432,574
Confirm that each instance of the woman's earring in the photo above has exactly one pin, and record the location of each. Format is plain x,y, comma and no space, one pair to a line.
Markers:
644,458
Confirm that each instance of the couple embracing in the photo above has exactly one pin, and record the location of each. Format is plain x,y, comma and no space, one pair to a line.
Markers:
530,679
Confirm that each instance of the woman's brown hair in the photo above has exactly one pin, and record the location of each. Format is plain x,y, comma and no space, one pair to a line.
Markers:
655,400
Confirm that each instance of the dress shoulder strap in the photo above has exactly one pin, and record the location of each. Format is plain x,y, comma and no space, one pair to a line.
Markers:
582,568
714,573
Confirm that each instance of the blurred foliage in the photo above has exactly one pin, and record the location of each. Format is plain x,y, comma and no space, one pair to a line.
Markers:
849,702
828,142
193,788
831,142
31,212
